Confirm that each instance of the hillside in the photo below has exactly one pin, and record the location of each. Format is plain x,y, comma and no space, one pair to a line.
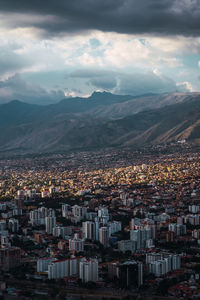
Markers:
31,129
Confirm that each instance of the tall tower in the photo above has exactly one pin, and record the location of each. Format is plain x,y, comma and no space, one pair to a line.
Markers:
50,223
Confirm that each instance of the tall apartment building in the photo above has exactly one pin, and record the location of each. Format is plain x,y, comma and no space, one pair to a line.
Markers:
114,226
91,230
65,210
64,268
141,236
76,244
178,229
194,208
89,270
62,231
103,215
161,263
104,236
50,223
193,219
42,264
79,212
37,216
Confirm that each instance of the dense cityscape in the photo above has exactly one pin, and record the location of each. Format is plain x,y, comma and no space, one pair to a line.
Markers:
105,225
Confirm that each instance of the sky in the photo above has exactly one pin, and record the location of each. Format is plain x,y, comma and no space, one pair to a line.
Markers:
62,48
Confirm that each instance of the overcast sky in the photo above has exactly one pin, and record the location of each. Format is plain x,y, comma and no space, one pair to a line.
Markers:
56,48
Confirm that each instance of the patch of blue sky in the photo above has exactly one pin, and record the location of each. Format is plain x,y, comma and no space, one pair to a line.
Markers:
94,43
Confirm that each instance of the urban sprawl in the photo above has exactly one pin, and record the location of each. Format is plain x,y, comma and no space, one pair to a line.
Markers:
112,224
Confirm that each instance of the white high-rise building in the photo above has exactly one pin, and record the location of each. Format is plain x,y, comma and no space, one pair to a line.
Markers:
45,211
104,236
114,226
76,244
62,231
89,270
91,230
140,236
179,229
42,264
50,223
103,215
65,210
162,263
79,212
37,216
194,208
64,268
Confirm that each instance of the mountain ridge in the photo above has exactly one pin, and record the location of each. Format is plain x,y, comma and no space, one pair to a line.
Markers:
34,128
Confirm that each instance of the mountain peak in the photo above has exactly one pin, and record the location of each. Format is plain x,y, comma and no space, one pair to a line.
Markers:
15,101
104,93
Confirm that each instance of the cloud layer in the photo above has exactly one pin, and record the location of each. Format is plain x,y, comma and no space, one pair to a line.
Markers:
48,50
166,17
132,84
15,88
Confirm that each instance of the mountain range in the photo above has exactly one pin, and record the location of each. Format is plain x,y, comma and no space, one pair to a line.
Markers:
101,120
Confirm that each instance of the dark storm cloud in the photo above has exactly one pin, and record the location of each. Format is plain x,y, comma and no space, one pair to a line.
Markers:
123,16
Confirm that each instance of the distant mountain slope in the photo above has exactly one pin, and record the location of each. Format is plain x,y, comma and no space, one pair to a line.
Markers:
135,105
32,128
98,105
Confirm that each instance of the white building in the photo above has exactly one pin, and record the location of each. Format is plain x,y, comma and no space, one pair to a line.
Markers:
193,219
50,223
114,226
194,208
65,210
76,244
196,234
63,231
79,212
104,236
91,230
37,216
89,270
141,236
161,263
103,215
42,264
64,268
179,229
